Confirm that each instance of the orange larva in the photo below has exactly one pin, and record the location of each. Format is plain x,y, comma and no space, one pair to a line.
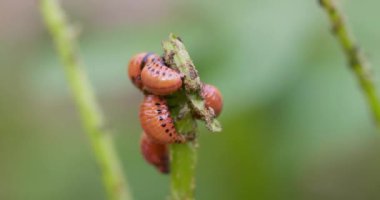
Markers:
160,79
137,63
156,121
155,153
213,98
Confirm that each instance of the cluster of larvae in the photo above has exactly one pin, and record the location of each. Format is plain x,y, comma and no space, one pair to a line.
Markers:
149,73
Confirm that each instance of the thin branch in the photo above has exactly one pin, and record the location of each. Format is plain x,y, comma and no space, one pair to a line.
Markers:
91,116
354,56
183,106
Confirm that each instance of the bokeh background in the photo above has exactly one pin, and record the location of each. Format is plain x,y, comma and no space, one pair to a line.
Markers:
296,125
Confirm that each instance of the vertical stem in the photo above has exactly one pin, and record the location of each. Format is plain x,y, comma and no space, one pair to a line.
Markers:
183,105
182,177
354,56
183,156
84,97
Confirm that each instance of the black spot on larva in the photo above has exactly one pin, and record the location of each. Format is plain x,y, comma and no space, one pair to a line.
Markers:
157,72
144,60
163,125
167,130
160,118
163,74
170,134
157,104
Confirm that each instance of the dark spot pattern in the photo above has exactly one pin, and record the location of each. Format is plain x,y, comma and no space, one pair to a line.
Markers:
156,121
160,80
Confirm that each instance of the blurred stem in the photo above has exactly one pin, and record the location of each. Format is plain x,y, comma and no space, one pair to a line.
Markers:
183,105
354,56
84,97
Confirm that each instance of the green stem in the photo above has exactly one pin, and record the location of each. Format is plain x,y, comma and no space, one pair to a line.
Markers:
182,177
183,105
84,97
354,56
183,157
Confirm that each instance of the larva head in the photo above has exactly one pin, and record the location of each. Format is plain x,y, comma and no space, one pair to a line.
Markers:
213,98
155,153
159,79
137,63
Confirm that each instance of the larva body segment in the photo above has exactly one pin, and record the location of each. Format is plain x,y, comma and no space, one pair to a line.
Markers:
213,98
159,79
156,121
155,153
137,63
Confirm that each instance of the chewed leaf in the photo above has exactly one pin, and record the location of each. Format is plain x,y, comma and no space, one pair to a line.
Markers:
178,58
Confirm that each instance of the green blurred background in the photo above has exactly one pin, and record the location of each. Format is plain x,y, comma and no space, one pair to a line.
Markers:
296,125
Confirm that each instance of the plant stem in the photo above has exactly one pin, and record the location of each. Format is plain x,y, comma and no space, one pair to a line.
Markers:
354,56
183,105
182,177
183,158
84,97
